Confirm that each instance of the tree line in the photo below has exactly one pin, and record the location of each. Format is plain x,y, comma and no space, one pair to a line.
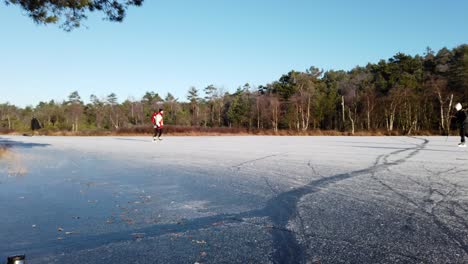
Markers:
404,93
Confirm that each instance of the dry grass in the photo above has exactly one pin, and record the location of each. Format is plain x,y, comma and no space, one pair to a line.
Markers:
226,131
5,131
3,151
15,165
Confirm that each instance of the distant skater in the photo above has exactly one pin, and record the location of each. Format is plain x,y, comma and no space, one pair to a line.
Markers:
158,123
462,122
35,125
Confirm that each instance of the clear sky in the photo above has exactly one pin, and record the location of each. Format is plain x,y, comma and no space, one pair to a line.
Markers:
170,45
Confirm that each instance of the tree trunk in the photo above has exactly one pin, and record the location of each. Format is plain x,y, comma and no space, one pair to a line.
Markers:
305,114
219,116
258,115
441,103
391,120
275,118
368,114
343,111
411,127
299,117
352,121
447,120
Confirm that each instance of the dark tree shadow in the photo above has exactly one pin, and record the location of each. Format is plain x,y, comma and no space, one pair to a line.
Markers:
7,143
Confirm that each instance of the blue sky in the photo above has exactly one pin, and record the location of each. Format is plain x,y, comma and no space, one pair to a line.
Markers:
170,45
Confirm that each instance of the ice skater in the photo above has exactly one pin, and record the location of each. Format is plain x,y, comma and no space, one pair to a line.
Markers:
462,122
158,123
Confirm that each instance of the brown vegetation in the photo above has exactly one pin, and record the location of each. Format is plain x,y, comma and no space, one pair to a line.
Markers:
226,131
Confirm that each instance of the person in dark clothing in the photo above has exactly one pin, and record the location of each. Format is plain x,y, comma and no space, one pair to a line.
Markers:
35,125
462,123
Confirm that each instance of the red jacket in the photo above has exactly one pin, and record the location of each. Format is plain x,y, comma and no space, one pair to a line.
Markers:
157,119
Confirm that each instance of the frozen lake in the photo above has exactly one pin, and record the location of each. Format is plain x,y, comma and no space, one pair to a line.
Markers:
234,200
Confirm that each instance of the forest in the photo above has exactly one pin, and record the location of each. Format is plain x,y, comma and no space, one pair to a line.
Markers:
404,94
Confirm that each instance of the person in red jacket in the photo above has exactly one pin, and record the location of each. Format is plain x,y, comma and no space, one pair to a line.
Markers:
158,123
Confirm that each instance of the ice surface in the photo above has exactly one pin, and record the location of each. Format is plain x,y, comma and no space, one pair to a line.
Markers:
234,199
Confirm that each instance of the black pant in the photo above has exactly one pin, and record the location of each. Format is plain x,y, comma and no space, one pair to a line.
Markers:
463,132
157,132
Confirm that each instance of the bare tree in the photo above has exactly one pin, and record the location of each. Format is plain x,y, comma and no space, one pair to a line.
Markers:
392,103
445,99
274,106
113,110
75,109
